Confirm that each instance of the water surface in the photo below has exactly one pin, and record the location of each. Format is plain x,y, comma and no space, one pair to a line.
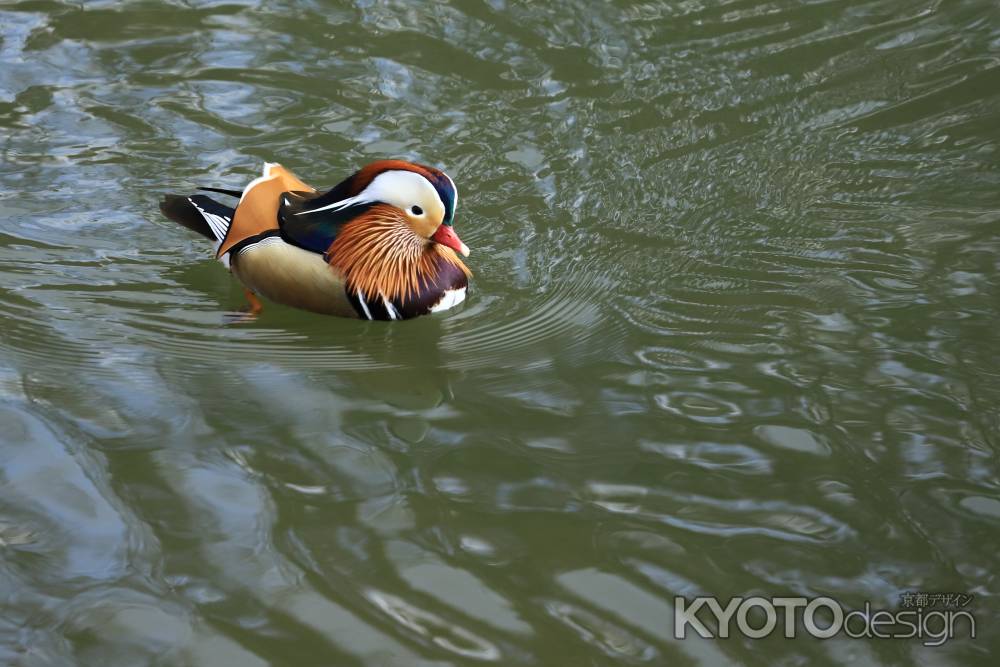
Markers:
733,332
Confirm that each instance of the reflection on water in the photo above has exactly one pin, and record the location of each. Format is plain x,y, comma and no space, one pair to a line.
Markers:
732,332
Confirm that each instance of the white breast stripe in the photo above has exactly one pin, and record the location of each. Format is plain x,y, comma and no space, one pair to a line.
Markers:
364,306
393,315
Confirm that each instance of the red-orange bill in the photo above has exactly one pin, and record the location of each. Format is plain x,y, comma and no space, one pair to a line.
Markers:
446,236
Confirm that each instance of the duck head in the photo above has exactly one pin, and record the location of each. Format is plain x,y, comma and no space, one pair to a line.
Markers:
424,197
387,230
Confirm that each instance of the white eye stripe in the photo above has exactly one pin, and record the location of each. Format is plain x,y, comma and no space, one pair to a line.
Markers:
454,188
397,187
337,205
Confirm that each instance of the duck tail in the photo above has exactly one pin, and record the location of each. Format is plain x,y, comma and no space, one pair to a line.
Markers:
199,214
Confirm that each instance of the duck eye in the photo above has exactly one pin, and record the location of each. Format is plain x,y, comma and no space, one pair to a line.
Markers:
416,210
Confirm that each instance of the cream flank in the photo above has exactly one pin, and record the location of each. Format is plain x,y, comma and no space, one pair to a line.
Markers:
288,274
292,276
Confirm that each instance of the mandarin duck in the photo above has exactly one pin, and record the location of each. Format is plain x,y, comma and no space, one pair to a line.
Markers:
377,246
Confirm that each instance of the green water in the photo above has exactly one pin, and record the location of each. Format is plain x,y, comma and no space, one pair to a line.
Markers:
734,332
